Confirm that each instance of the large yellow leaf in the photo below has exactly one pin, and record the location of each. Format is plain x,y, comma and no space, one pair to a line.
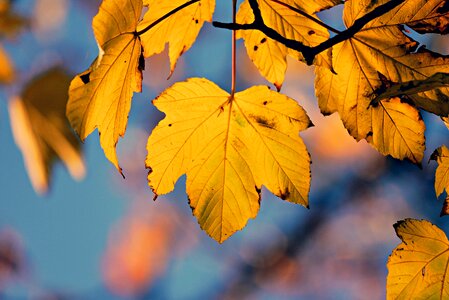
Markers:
441,156
228,147
41,130
269,56
418,267
6,68
101,96
379,55
178,30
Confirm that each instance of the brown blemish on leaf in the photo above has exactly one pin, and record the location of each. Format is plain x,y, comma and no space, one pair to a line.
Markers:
263,121
284,194
263,40
255,48
85,78
311,32
141,61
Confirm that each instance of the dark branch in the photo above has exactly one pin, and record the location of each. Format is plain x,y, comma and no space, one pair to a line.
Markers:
165,17
309,53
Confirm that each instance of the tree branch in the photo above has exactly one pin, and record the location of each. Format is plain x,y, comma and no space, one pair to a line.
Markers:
309,53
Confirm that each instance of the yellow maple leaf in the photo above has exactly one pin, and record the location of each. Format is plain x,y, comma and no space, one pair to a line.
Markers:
179,30
441,156
228,147
41,130
6,68
381,54
101,96
417,268
270,56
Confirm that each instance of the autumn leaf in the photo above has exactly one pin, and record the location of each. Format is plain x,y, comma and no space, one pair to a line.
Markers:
417,268
6,68
228,147
441,156
41,130
101,96
270,56
379,55
179,30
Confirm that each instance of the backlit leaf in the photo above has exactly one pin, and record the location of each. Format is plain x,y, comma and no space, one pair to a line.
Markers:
441,156
270,56
41,129
6,68
228,147
417,268
378,56
179,30
101,96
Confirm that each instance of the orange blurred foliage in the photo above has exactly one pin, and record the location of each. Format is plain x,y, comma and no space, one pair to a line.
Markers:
137,254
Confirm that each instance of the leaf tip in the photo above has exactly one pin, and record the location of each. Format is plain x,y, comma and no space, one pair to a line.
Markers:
278,86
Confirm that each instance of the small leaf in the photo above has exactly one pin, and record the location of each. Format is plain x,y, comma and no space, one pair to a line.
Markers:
101,96
228,147
418,267
179,30
41,130
441,156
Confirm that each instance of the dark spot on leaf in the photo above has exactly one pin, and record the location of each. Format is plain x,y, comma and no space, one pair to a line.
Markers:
258,190
255,48
196,21
261,120
265,102
406,100
263,40
284,194
141,61
369,134
311,32
85,78
169,125
191,207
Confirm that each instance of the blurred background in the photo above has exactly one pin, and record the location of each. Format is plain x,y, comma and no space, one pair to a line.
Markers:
104,238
